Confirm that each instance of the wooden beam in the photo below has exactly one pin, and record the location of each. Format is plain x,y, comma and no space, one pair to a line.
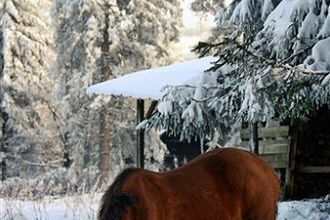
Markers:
270,146
278,148
289,173
151,109
277,164
276,160
140,134
313,169
275,132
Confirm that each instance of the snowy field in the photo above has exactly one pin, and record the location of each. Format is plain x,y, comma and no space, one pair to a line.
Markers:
85,208
65,208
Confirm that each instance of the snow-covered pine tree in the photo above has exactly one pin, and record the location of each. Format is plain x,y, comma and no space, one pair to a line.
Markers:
28,131
208,6
273,61
100,40
51,51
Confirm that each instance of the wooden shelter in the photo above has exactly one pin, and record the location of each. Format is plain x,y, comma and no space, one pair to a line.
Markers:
279,146
300,151
148,84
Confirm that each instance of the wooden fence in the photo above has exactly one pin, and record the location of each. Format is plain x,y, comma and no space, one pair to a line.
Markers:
274,148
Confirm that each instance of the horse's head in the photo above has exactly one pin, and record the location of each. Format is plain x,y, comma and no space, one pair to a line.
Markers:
115,201
113,205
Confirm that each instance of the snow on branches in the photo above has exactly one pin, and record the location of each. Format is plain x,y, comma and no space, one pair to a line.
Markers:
273,62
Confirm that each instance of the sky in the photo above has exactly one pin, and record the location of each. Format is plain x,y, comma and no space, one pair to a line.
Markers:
196,27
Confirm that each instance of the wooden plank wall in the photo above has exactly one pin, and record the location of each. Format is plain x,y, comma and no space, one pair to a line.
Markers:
274,145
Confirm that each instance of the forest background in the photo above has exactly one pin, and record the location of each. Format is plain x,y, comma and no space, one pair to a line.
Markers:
54,137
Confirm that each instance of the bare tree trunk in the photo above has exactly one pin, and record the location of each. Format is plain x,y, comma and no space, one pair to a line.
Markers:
3,116
64,137
105,157
3,165
87,143
105,119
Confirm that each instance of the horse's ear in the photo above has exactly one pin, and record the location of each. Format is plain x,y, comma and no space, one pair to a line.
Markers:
113,206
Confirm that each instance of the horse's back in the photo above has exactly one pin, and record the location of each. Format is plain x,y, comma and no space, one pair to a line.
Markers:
221,184
249,179
244,182
175,195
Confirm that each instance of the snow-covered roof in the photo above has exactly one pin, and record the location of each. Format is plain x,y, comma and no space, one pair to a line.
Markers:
148,83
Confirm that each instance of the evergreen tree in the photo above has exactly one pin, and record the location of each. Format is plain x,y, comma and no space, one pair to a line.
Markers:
51,51
272,61
26,87
107,39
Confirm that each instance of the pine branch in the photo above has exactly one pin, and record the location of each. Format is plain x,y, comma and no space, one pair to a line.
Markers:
296,54
205,99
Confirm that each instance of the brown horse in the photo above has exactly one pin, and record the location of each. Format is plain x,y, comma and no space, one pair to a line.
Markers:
226,184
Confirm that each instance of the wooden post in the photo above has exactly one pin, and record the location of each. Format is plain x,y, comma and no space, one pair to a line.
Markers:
140,134
254,143
151,109
290,178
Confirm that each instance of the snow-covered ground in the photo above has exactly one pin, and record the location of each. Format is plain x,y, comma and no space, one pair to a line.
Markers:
313,209
82,207
85,207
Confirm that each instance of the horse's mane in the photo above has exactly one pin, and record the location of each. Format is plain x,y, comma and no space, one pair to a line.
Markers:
114,201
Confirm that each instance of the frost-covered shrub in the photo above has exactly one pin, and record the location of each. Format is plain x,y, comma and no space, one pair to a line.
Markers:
51,182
